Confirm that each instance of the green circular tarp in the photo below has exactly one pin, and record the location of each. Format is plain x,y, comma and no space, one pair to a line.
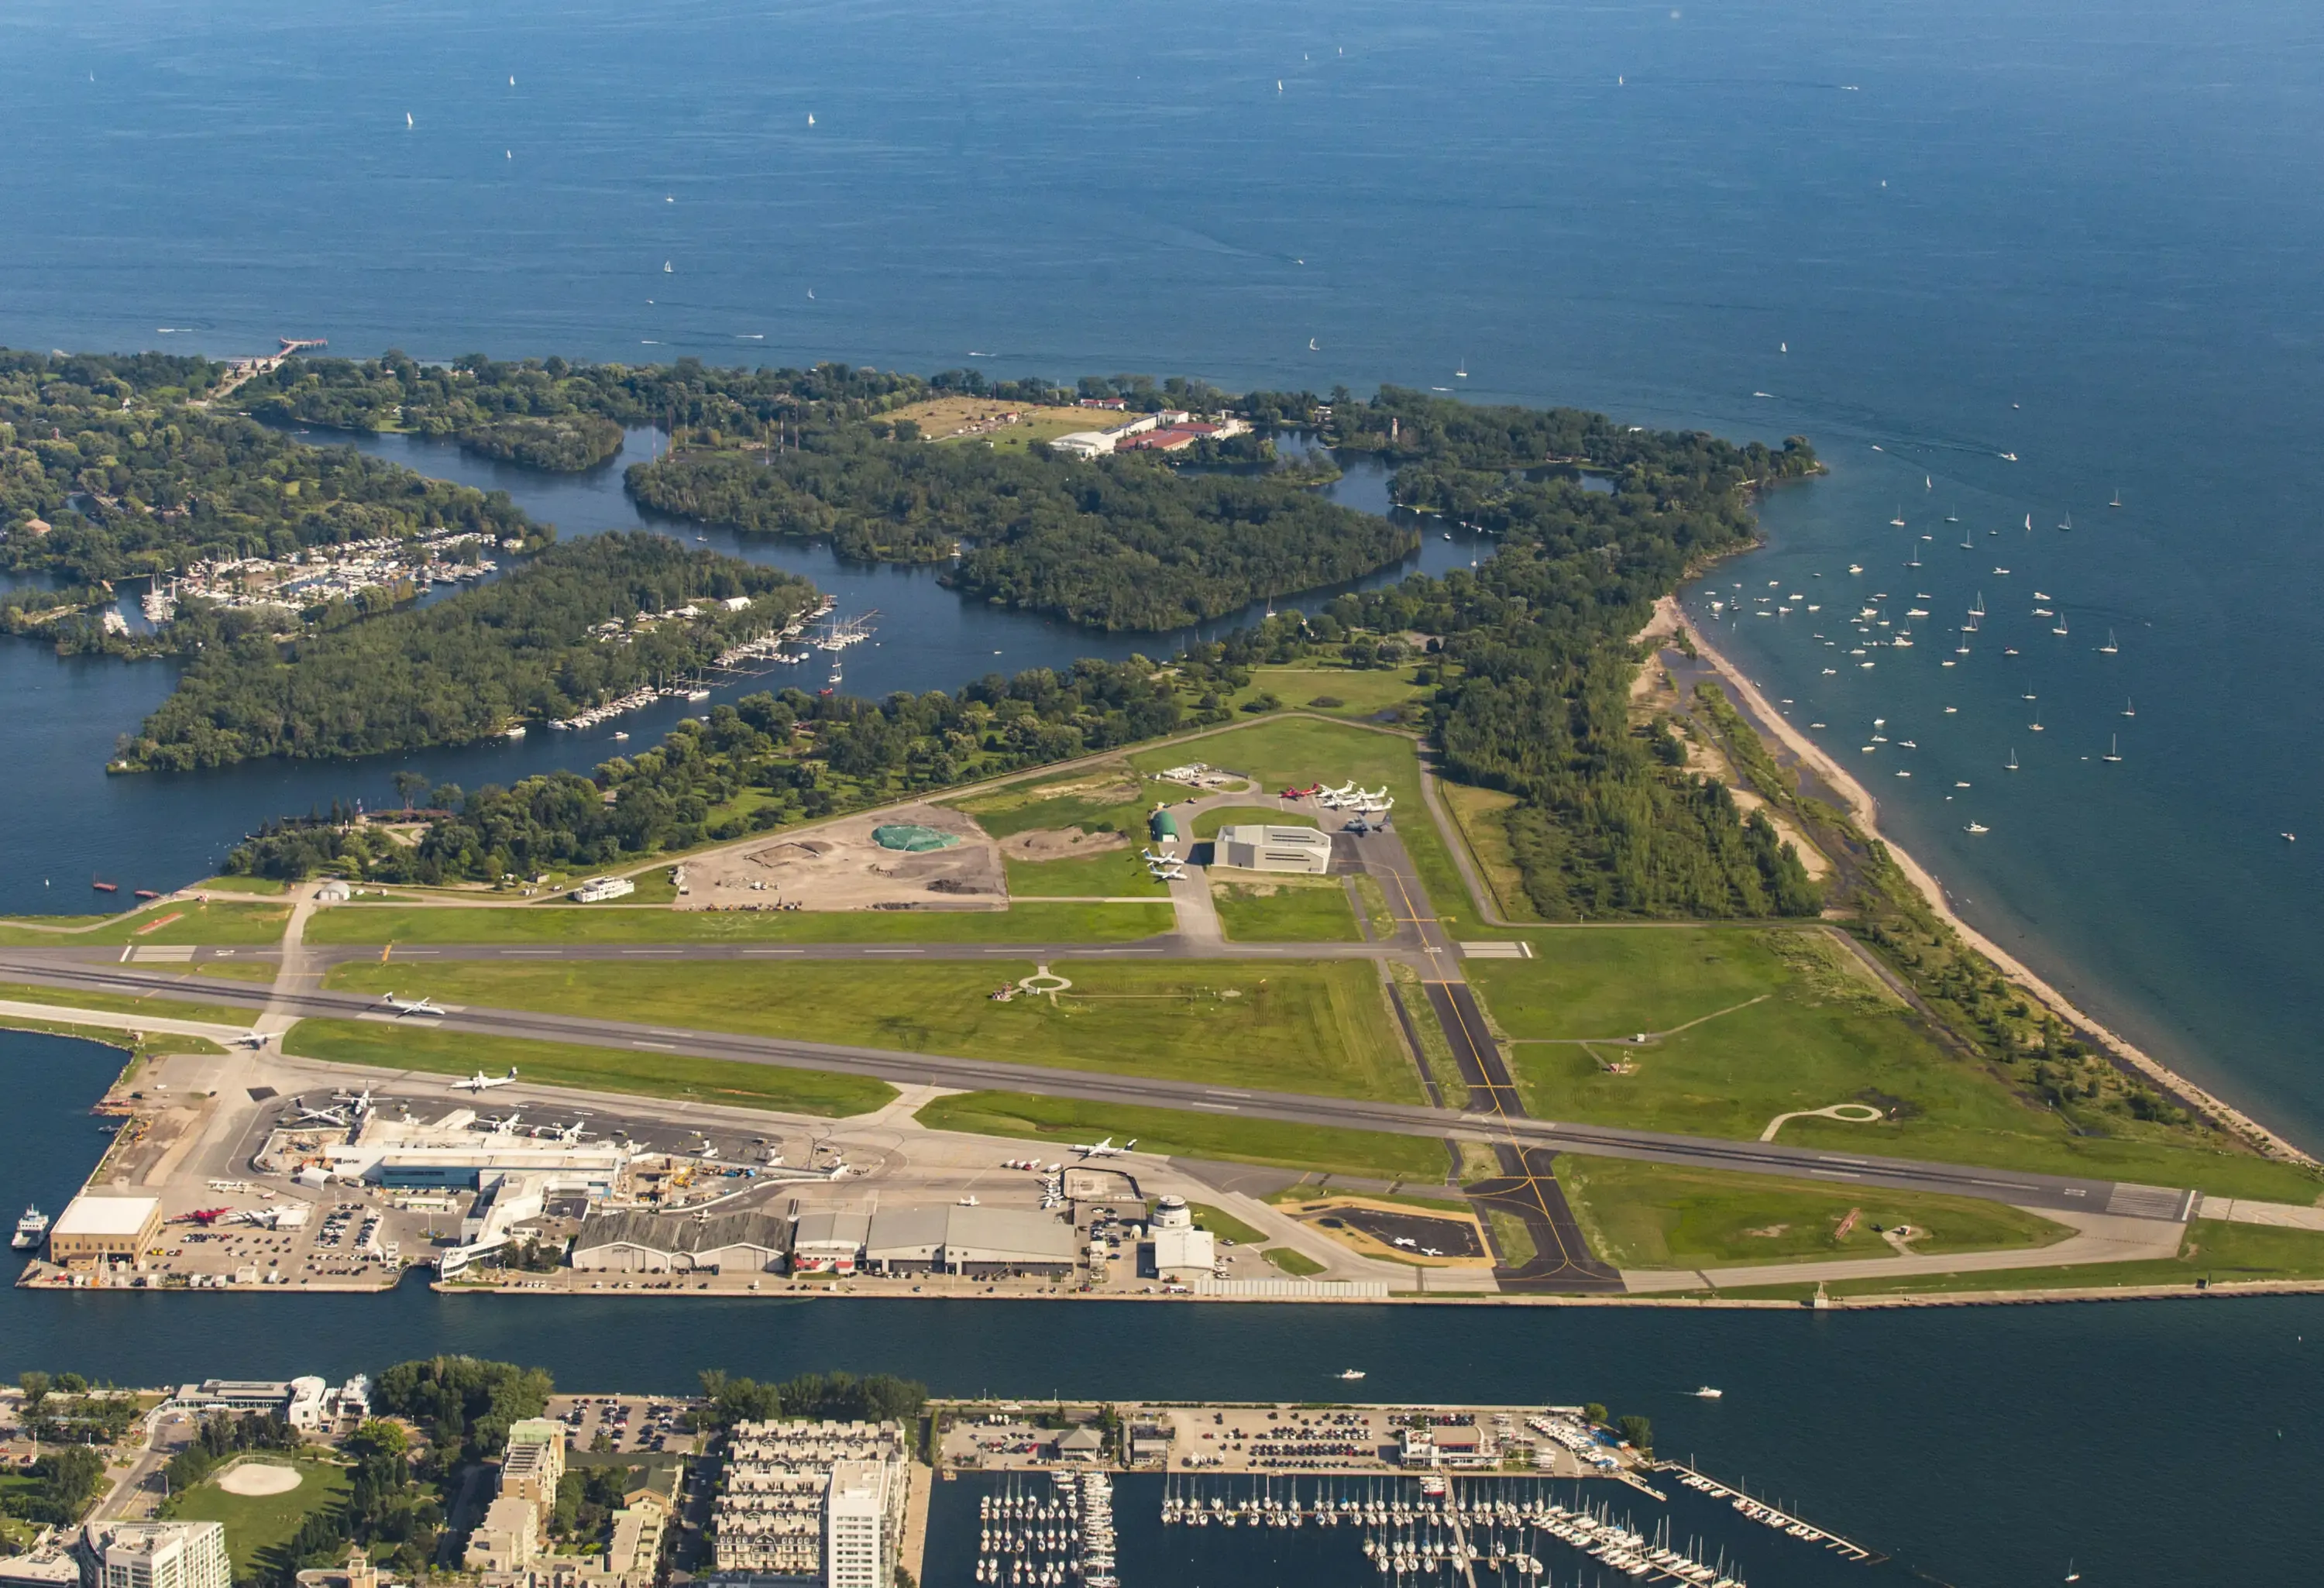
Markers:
913,838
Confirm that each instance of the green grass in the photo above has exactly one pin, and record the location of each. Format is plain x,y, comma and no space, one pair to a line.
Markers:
1651,1215
109,1036
1361,692
1108,796
2223,1253
1207,824
225,925
164,1005
1300,1027
1225,1225
1478,815
260,971
1296,1263
1184,1134
595,1069
266,886
258,1525
1824,1033
1435,1047
1287,909
1034,922
1293,751
1512,1238
1115,874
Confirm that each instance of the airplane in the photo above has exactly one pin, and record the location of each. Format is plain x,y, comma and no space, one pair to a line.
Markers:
567,1135
1430,1251
251,1040
403,1006
1371,796
1105,1148
320,1116
505,1125
204,1216
1165,858
1168,874
481,1082
1406,1240
707,1149
970,1200
1307,793
360,1101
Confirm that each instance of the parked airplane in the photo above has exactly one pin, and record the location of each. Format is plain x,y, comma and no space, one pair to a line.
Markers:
1165,858
360,1101
481,1082
403,1006
505,1125
1309,792
1105,1148
568,1134
204,1216
320,1116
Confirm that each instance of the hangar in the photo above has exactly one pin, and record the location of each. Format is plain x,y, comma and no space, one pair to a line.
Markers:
650,1243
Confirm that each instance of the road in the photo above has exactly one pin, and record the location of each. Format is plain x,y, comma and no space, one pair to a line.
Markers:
49,967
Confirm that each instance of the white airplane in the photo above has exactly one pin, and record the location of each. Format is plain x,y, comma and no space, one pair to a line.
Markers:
505,1125
320,1116
360,1101
251,1040
1168,874
1105,1148
481,1082
706,1149
567,1135
1165,858
403,1006
1371,796
1341,792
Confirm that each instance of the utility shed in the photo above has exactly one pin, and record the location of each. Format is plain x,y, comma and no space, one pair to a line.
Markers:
1256,849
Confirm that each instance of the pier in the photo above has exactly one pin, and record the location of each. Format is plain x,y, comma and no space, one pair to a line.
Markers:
1770,1517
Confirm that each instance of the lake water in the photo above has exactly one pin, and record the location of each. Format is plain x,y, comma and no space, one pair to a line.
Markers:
2085,236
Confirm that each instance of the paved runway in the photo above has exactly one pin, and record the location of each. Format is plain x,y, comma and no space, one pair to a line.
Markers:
46,967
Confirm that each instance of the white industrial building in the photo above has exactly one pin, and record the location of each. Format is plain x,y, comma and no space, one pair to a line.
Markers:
1181,1251
652,1243
1269,848
159,1555
597,890
956,1240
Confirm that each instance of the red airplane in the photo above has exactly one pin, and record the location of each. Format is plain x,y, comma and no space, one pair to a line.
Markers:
204,1216
1302,793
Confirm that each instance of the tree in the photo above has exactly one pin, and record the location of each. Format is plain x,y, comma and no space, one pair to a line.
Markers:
1594,1412
409,785
1637,1433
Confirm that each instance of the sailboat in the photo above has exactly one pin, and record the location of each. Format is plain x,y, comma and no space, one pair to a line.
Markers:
2113,748
2110,648
406,118
2035,725
1928,482
810,118
1978,610
2067,521
1954,516
2011,765
665,268
1899,520
2117,497
2060,627
2128,709
2029,524
1463,372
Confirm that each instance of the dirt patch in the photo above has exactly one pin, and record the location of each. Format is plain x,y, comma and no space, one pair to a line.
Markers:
842,867
261,1477
1059,844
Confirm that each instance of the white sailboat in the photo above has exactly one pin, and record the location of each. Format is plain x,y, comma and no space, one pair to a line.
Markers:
2128,709
2067,521
2011,765
2110,648
1899,520
2113,748
2060,626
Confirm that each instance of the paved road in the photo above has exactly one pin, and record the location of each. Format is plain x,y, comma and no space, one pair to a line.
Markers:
44,968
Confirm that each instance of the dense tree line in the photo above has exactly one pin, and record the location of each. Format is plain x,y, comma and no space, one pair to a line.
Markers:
766,761
467,668
1115,543
464,1404
130,480
875,1398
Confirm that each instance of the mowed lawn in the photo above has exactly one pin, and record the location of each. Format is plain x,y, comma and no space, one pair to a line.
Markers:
1032,922
1821,1032
1112,873
1286,909
1651,1216
1181,1133
1360,691
1293,1027
590,1069
257,1525
1110,796
163,1004
1294,752
226,925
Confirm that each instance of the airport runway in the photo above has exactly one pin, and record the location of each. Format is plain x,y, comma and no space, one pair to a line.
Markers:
45,968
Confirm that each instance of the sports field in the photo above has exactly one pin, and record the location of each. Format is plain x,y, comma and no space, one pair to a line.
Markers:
1317,1027
257,1525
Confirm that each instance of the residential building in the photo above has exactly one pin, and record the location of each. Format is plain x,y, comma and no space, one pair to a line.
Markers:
506,1541
862,1520
534,1464
795,1491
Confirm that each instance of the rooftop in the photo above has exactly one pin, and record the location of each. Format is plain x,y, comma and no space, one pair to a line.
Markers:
106,1216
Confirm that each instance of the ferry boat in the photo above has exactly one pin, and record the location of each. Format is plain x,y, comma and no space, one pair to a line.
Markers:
30,1229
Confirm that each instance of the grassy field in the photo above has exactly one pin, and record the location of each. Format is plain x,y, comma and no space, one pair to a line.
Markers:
1287,909
168,1005
260,971
1108,796
1207,824
1033,923
940,417
2222,1253
1293,751
1184,1134
1115,874
266,887
1296,1263
594,1069
1476,812
1794,1022
1301,1027
257,1525
1649,1215
220,924
1224,1224
1361,692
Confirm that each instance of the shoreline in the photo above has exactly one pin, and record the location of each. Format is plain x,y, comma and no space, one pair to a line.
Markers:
1863,809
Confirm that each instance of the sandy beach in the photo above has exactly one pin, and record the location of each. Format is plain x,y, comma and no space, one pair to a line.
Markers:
1864,810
